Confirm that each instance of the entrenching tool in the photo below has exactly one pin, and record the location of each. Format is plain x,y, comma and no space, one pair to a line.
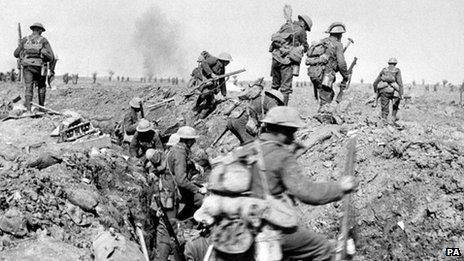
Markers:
350,41
347,229
350,71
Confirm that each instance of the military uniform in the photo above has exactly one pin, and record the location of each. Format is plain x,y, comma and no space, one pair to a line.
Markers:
130,121
142,141
389,86
289,35
258,106
211,66
34,51
284,175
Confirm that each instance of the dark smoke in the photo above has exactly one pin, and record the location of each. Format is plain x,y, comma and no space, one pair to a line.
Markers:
159,41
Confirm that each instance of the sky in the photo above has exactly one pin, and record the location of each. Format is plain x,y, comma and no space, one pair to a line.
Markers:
427,36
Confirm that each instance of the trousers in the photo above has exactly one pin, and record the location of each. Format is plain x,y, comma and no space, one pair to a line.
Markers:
282,76
385,99
32,76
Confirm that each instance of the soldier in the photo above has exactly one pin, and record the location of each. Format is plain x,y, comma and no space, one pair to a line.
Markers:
325,59
75,78
94,77
246,126
34,52
145,137
13,75
66,78
131,118
389,86
287,48
211,67
285,176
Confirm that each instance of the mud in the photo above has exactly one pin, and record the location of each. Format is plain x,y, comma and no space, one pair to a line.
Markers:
409,203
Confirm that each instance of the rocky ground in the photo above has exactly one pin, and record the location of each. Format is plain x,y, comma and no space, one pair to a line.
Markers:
408,207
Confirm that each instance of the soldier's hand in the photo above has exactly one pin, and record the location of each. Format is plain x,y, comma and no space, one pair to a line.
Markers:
203,190
348,184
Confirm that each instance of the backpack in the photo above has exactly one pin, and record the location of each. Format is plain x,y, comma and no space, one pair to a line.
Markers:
231,177
317,59
31,54
388,75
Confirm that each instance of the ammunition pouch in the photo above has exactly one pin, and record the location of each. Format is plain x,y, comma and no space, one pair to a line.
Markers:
296,54
29,61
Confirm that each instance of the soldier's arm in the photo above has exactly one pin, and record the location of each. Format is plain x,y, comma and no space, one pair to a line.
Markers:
129,127
399,81
313,193
47,51
134,146
376,82
206,66
304,41
342,67
18,50
180,173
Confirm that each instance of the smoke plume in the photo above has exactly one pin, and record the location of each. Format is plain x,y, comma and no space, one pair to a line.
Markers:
159,41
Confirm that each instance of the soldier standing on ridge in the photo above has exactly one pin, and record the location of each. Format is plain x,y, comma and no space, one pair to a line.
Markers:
389,86
132,118
287,48
325,59
34,52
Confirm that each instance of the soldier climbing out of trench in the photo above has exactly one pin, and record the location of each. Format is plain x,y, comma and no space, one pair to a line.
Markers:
211,67
389,87
34,51
132,118
325,59
245,125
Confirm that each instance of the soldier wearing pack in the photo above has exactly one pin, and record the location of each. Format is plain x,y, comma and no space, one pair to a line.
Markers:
210,68
34,51
287,48
246,126
389,87
325,59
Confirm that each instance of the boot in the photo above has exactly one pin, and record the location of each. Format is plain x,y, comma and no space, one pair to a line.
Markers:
394,116
286,98
41,99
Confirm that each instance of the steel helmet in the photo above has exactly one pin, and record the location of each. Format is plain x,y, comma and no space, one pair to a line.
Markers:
277,95
37,25
173,139
336,28
392,60
225,57
153,155
284,116
144,126
187,132
232,236
307,20
135,102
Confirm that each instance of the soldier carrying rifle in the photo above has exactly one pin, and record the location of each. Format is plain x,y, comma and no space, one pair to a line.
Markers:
34,51
389,86
211,67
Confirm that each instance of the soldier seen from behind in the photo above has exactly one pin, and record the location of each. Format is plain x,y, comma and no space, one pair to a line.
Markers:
34,51
389,87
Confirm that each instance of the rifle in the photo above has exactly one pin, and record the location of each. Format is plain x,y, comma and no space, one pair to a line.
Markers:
211,80
347,229
220,137
20,67
178,255
153,106
350,71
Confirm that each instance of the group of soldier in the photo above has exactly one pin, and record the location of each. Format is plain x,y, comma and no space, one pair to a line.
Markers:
10,76
266,118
